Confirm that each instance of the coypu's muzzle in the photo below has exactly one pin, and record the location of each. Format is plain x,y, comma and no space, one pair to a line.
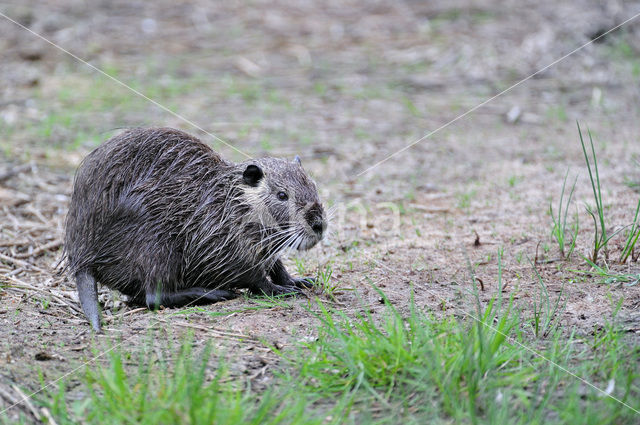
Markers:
317,222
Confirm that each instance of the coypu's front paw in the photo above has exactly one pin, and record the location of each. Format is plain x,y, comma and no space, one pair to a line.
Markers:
304,282
271,289
286,290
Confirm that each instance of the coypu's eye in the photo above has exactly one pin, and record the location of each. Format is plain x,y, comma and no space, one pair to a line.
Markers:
282,196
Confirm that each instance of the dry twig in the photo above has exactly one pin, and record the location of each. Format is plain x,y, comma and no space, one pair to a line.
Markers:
6,175
40,250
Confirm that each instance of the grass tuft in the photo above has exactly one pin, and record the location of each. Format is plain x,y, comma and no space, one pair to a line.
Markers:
559,230
545,312
184,391
600,234
632,239
325,283
608,276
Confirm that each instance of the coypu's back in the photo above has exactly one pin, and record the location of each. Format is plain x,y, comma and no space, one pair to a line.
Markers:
139,190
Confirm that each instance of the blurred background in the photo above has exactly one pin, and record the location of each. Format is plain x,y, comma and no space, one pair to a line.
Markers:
347,82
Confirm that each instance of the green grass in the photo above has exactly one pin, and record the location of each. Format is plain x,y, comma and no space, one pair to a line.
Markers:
608,276
546,312
632,238
387,367
601,239
324,282
162,392
465,198
512,181
601,235
560,231
557,113
250,303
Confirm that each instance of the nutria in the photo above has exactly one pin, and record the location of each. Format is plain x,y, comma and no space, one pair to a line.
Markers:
162,218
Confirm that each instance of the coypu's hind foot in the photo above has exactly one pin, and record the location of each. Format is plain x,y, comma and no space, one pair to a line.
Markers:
188,296
88,294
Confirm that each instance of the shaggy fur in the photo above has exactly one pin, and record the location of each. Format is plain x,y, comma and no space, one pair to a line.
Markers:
156,212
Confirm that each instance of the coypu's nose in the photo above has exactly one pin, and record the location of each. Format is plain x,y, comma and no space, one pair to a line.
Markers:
315,219
318,227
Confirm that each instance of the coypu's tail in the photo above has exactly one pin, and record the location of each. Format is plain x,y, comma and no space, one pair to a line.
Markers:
88,294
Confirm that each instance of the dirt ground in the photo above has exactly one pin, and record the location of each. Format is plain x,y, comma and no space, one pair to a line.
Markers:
344,85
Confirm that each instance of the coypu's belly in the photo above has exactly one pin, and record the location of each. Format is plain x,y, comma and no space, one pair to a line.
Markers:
135,277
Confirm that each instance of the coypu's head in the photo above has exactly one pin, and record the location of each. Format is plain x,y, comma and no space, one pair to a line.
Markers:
284,202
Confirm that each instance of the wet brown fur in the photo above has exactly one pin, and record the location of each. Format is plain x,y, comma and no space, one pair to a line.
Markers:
158,210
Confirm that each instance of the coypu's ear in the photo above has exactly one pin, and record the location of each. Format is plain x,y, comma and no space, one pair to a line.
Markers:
252,175
297,160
